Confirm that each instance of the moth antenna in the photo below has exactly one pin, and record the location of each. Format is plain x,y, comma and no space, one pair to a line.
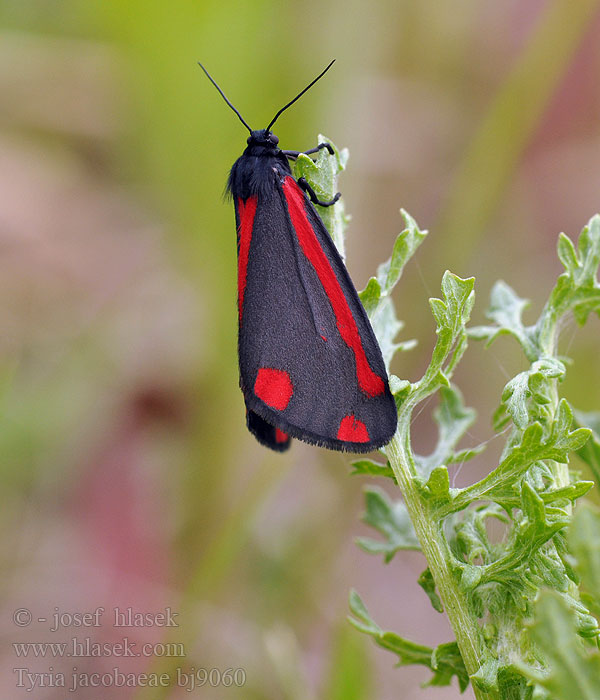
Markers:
208,75
298,96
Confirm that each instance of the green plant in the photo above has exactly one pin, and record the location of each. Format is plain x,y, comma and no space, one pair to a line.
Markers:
523,608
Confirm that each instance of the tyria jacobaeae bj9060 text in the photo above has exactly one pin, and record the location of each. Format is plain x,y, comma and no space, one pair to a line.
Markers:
310,364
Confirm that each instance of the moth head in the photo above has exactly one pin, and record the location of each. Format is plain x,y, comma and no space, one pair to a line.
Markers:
262,137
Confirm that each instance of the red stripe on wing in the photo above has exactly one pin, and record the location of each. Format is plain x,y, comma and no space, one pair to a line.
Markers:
368,381
246,212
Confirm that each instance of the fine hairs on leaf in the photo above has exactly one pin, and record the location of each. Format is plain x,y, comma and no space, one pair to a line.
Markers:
523,607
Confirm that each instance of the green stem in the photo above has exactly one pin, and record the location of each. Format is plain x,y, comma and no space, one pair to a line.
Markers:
548,344
435,549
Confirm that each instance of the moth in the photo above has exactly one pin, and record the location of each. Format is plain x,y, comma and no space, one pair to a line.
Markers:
310,364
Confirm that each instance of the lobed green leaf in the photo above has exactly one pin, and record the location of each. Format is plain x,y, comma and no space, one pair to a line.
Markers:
527,395
453,419
407,242
367,467
577,289
444,661
506,311
438,486
427,583
375,297
392,521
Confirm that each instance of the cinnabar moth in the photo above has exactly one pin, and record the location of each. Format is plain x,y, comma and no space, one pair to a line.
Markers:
310,364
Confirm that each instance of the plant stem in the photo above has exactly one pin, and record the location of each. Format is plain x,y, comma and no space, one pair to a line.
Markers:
435,549
548,344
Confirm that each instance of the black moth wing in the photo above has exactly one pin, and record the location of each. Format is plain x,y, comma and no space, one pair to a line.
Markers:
267,434
299,375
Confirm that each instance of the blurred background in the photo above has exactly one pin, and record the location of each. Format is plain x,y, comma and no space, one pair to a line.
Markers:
127,475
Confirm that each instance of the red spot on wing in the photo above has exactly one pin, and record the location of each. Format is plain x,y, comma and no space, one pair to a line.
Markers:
274,387
246,212
352,430
368,381
280,436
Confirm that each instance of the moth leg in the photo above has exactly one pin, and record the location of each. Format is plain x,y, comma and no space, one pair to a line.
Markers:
312,194
294,154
